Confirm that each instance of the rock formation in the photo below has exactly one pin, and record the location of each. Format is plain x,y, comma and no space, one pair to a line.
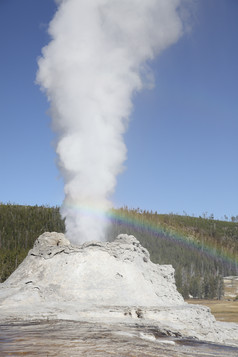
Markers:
101,281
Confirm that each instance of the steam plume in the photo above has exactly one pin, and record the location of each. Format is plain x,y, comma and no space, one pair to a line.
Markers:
94,63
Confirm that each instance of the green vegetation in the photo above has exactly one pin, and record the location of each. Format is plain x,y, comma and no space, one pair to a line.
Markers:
19,228
196,247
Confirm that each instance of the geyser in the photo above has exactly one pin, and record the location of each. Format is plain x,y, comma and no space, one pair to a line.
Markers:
95,62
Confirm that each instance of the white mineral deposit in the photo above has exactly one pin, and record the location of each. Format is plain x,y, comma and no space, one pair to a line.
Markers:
107,282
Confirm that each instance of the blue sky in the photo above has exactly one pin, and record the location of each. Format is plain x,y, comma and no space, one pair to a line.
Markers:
182,138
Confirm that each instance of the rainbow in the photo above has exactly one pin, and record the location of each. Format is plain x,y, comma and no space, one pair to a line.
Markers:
137,221
159,229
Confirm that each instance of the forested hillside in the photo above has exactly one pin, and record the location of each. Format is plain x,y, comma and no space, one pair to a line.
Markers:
19,228
201,250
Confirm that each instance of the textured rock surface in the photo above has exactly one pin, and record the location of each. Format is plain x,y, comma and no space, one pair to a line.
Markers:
104,282
112,274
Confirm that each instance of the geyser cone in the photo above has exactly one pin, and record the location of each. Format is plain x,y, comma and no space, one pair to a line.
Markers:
113,274
104,282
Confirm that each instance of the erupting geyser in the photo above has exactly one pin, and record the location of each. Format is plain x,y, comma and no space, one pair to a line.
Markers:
94,63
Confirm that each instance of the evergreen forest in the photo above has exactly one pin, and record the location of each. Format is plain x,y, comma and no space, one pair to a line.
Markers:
202,250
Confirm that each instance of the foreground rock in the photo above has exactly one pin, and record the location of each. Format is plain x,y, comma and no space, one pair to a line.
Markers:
109,282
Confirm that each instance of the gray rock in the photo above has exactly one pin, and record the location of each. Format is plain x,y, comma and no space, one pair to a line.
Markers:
102,281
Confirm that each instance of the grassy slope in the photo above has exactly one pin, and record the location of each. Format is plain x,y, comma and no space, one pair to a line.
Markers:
223,310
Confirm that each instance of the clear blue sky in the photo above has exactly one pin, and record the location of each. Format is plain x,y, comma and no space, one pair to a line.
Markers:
182,138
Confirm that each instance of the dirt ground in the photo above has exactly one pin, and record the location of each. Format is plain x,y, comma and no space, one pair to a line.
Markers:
223,310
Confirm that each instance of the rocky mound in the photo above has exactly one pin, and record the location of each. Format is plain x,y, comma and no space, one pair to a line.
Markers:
96,273
103,282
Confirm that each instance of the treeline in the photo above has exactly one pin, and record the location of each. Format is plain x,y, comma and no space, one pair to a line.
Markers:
19,228
202,251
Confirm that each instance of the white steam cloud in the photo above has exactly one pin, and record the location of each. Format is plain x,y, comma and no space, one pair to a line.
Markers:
93,65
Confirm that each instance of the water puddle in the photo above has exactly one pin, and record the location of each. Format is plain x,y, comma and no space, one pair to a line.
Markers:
69,338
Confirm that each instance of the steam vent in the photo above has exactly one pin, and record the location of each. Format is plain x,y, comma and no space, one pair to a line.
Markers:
113,282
